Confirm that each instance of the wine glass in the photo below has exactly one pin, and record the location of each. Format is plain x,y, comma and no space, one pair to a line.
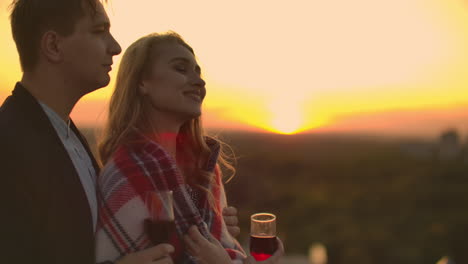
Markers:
263,236
160,224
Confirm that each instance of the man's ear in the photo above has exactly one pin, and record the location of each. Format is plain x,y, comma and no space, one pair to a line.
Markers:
50,46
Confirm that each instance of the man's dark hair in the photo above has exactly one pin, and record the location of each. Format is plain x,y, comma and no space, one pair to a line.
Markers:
30,19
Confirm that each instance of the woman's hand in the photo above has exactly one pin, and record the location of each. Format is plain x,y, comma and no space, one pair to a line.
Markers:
155,255
274,259
231,220
204,250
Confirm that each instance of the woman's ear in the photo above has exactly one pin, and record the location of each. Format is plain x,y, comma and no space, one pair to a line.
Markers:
143,87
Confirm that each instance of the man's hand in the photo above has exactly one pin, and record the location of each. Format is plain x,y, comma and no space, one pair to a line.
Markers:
274,259
155,255
231,220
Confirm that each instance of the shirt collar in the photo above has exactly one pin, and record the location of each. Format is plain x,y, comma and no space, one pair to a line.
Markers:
63,128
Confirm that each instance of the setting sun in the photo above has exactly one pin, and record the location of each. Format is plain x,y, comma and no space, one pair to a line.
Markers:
286,123
287,117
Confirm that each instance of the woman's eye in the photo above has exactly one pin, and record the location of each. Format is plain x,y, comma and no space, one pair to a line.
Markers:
181,68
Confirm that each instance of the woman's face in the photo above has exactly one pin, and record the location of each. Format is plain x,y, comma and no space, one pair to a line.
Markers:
174,86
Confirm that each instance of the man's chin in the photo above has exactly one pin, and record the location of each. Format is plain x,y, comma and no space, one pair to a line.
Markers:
105,81
97,85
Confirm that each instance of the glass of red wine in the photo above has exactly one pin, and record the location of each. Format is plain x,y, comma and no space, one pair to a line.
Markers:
160,225
263,236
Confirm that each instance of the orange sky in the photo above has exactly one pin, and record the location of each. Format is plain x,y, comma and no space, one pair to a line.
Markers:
301,65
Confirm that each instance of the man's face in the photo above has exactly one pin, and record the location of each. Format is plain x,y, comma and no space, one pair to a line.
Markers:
88,52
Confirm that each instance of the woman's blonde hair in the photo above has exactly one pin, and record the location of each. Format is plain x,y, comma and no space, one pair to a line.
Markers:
128,112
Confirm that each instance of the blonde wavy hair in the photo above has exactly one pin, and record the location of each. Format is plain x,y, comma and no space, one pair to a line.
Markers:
128,112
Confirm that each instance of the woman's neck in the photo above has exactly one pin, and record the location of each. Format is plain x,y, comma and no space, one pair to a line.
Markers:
165,132
168,140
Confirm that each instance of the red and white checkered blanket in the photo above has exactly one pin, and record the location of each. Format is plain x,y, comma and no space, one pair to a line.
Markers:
141,167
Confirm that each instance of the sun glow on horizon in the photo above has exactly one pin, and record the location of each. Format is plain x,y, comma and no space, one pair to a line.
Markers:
287,115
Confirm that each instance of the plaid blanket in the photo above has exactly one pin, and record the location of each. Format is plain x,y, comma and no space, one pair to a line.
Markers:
146,166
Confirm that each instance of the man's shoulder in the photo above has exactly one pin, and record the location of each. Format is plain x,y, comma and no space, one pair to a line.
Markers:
8,118
19,104
9,132
20,124
11,116
20,111
10,108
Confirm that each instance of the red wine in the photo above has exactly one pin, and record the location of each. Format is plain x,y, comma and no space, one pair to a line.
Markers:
261,248
159,231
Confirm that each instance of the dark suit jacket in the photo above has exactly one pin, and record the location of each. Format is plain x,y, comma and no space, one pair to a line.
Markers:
45,217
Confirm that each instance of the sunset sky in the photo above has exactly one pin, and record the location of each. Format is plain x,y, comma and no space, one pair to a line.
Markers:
291,66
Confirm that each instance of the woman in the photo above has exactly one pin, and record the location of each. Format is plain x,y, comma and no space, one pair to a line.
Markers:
154,141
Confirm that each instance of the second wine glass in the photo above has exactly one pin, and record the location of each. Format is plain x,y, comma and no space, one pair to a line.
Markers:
263,236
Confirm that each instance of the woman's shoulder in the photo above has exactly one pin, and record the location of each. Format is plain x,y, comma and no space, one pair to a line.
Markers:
137,150
212,142
212,160
121,161
128,161
135,156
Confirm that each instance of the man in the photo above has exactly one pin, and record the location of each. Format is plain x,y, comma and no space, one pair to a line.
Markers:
48,172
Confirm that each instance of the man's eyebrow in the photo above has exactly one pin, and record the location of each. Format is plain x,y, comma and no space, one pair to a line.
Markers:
183,59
